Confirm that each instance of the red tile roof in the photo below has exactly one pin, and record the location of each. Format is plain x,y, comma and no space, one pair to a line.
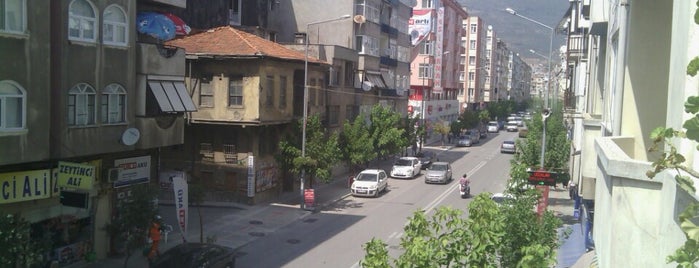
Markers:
228,41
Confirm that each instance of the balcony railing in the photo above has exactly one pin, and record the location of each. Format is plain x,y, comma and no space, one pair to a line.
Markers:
577,45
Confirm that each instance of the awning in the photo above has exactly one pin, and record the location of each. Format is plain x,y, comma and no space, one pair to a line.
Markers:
376,79
171,96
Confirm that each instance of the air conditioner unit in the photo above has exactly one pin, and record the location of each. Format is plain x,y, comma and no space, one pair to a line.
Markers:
114,174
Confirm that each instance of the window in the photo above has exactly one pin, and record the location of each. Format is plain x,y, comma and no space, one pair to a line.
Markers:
82,21
349,73
113,104
13,106
472,60
461,91
282,92
474,28
269,90
13,16
471,76
369,9
426,47
312,92
472,44
427,3
367,45
206,93
425,70
114,27
470,92
334,115
235,92
81,105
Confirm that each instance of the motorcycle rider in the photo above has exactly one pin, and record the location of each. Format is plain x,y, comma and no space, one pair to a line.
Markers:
465,185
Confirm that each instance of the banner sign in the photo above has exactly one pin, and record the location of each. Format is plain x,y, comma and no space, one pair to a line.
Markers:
438,52
308,199
75,176
25,186
179,185
251,175
420,25
135,170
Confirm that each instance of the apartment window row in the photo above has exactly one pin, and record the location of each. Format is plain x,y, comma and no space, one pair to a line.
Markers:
82,105
83,23
369,9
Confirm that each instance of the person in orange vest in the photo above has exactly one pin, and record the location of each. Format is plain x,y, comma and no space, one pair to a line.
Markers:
154,235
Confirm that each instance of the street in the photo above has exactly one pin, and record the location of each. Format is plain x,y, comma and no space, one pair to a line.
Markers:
334,236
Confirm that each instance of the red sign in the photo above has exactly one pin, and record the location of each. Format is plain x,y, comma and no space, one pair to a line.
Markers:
543,201
309,198
542,177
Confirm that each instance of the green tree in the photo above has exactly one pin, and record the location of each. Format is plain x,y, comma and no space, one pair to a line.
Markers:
322,151
468,119
134,215
442,129
484,116
557,151
385,132
356,144
19,248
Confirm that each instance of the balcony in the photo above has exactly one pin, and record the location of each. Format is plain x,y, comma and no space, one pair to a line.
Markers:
635,218
577,46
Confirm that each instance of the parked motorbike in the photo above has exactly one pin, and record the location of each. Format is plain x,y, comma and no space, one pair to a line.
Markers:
465,189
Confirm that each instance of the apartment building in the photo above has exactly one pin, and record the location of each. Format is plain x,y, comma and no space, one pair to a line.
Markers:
626,76
436,34
476,67
519,78
88,98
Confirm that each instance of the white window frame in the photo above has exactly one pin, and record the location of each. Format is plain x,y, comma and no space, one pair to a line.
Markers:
113,104
80,21
81,98
235,92
12,90
426,48
427,3
425,70
112,29
21,22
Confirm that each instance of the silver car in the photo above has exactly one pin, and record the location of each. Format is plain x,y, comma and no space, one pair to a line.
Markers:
439,172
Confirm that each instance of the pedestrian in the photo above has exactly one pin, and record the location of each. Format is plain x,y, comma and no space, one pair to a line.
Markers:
154,235
414,148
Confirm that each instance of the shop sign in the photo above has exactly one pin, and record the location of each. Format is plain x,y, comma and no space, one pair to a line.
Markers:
25,186
75,176
135,170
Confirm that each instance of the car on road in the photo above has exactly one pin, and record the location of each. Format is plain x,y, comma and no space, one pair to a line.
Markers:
511,126
464,141
191,255
369,182
501,198
407,167
474,134
493,127
426,158
508,146
439,172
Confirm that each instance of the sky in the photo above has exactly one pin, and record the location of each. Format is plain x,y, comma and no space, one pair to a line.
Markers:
519,34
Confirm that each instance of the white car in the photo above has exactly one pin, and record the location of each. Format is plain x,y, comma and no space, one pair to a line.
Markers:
369,182
512,126
406,167
493,127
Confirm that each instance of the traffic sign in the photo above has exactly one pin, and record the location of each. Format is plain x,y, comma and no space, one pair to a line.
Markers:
542,177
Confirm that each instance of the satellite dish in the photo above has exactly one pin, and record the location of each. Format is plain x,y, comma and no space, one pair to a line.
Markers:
359,19
366,85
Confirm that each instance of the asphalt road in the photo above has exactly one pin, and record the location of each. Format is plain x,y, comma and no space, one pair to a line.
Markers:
334,237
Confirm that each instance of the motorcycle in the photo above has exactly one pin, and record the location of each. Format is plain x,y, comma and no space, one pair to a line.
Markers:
465,189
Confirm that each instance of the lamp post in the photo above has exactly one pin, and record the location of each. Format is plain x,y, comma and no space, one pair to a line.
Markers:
305,100
548,75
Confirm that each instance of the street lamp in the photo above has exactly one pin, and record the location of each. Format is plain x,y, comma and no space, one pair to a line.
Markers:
305,98
548,75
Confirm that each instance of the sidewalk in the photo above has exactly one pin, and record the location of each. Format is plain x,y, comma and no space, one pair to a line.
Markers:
250,222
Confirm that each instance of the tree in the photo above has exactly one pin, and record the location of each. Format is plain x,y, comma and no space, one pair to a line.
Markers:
19,248
356,144
484,239
322,151
557,151
387,137
130,225
468,119
442,129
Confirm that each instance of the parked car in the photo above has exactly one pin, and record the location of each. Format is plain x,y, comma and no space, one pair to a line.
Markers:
191,255
369,182
439,172
406,167
493,127
508,146
474,134
502,198
511,126
464,141
426,158
522,132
